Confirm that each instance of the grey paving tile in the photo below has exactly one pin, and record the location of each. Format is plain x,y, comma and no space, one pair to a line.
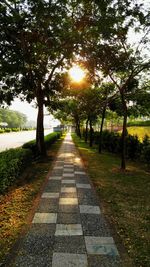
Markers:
55,178
68,218
68,190
33,261
68,181
84,186
104,261
94,225
58,168
68,229
80,172
50,195
68,170
101,246
68,174
69,260
89,209
70,244
68,201
70,165
45,218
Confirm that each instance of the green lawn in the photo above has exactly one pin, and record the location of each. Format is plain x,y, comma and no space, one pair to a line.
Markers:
139,131
125,197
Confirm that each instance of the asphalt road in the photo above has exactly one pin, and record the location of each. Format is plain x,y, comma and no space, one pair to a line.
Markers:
17,139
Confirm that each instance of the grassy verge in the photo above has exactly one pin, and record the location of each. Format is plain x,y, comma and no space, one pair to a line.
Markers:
125,198
17,204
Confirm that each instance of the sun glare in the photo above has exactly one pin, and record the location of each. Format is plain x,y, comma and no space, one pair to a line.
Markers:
76,73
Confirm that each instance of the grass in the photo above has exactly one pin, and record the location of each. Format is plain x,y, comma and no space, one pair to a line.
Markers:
139,131
125,197
16,206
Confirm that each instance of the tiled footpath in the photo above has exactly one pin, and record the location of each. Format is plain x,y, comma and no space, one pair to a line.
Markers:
68,228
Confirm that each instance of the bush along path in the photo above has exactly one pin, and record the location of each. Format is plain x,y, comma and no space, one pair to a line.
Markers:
68,227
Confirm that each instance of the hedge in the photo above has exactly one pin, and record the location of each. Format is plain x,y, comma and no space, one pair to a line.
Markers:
48,139
12,163
111,141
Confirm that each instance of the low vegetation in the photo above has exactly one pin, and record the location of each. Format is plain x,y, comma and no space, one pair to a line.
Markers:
17,204
125,197
14,161
48,139
135,150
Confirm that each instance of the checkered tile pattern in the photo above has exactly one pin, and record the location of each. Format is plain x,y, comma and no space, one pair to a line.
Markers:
68,228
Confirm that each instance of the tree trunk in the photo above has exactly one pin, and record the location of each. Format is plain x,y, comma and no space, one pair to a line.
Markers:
101,129
40,127
78,131
124,132
86,131
91,134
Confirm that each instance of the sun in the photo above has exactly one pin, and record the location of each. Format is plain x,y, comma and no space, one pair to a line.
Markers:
76,73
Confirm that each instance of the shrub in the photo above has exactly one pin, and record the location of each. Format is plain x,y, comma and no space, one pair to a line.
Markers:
15,129
48,139
7,130
1,131
133,147
12,163
145,154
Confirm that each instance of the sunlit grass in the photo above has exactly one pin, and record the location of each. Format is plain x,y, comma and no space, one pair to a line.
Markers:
125,197
139,131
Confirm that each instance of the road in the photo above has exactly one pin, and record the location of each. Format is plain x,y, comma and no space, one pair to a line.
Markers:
17,139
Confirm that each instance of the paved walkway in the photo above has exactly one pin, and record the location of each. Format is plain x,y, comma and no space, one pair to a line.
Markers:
68,228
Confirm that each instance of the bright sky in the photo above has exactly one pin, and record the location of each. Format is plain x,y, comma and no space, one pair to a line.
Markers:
31,112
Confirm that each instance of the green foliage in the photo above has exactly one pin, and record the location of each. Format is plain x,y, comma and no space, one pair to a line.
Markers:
135,149
139,123
12,163
1,130
48,139
14,119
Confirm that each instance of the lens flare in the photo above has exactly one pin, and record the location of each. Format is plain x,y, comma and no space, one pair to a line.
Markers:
76,73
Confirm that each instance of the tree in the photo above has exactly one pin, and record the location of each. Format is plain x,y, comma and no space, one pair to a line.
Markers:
108,49
38,37
14,119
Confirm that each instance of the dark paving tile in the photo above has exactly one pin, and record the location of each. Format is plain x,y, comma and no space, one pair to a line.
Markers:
52,189
48,205
80,180
53,183
86,197
34,261
94,225
69,208
38,245
70,244
42,229
68,218
103,261
74,195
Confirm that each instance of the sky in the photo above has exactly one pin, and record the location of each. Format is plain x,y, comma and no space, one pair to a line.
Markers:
31,112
